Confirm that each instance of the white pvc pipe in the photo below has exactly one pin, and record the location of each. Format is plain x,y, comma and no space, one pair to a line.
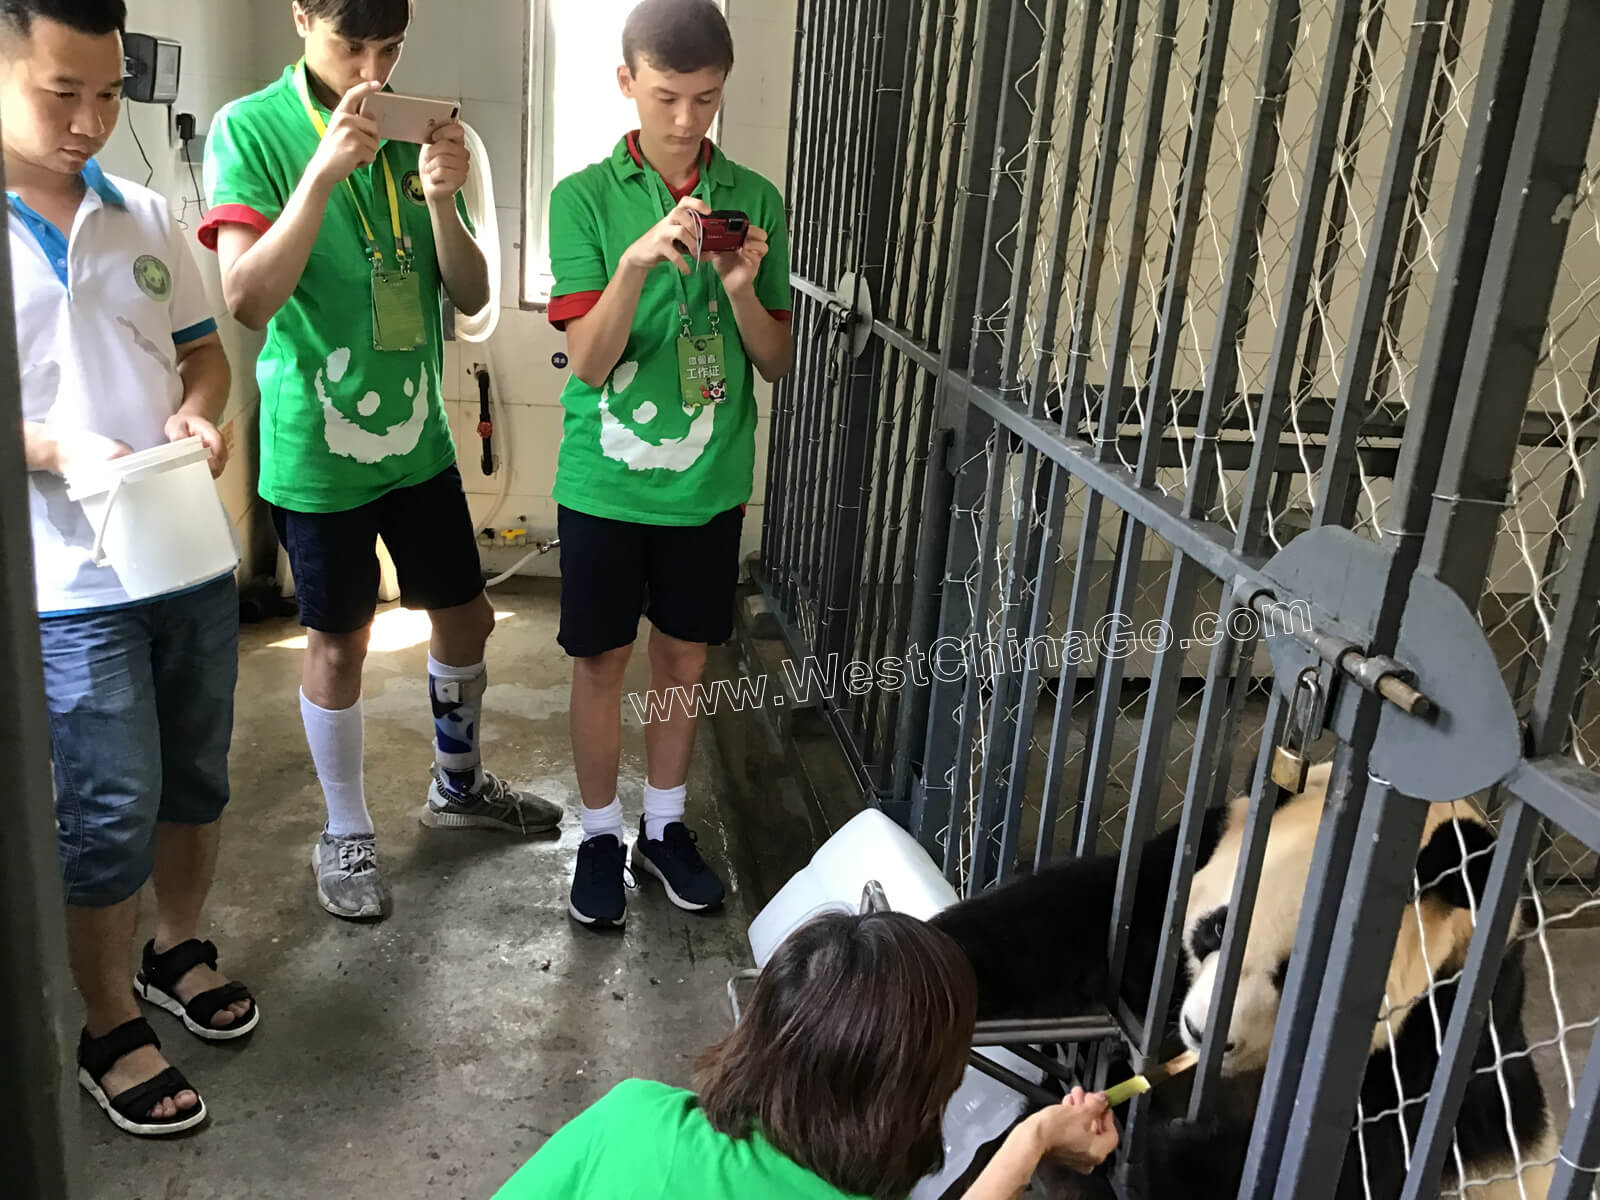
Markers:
478,195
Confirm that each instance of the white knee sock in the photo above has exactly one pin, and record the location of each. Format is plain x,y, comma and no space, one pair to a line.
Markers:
598,821
662,806
336,740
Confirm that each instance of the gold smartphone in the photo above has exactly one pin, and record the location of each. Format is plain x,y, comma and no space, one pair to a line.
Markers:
403,118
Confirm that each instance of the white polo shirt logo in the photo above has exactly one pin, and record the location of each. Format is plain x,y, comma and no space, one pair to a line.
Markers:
153,278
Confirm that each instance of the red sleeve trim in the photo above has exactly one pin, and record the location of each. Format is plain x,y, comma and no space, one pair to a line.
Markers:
571,307
230,214
779,314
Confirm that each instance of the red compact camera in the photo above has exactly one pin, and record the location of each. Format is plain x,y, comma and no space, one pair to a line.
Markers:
722,231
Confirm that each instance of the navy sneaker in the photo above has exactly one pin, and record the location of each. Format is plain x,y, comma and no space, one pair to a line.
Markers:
599,899
676,862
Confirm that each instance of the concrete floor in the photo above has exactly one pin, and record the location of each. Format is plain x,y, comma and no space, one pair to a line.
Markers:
432,1053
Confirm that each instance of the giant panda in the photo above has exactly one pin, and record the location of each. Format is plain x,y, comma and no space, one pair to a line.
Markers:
1038,947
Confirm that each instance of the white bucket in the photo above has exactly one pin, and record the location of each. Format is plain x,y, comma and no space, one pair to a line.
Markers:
869,846
157,519
872,848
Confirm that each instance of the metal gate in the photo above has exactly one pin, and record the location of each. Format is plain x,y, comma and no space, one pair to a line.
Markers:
1130,331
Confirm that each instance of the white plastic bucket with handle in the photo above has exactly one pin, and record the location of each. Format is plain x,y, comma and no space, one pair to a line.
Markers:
872,847
157,518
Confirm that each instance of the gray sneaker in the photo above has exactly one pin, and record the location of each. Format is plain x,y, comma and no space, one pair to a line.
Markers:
348,881
496,805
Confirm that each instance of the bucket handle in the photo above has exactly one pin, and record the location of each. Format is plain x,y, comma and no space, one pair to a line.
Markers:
97,552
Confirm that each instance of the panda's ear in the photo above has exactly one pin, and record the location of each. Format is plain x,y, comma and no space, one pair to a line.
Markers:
1454,863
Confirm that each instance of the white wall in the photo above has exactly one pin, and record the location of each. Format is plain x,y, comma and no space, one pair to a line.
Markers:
473,52
755,132
219,62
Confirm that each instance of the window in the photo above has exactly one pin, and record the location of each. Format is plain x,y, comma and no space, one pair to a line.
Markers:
576,113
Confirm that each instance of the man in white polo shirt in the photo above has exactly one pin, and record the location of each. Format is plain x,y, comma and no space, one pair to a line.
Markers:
118,353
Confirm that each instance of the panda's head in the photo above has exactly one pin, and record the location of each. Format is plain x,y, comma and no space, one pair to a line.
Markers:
1434,933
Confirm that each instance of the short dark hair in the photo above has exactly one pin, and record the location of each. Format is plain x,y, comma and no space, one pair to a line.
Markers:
86,16
362,20
853,1043
681,36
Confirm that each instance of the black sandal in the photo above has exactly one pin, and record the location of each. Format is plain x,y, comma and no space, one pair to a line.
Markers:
157,981
130,1110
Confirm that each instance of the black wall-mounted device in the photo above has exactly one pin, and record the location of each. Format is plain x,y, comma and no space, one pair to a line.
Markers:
152,66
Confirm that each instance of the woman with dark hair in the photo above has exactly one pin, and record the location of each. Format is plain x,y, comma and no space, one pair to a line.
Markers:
833,1085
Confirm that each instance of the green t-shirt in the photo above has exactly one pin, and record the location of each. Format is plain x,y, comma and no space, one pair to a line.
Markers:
341,423
647,1141
631,450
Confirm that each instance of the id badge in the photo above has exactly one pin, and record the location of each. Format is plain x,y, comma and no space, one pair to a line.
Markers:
397,321
702,376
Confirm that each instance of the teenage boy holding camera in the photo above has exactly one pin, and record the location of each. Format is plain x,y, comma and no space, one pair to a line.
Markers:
338,243
658,449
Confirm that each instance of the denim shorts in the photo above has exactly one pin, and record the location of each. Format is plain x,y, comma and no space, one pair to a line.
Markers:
141,719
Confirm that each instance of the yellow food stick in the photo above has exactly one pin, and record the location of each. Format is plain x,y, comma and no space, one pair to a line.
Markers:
1127,1090
1140,1084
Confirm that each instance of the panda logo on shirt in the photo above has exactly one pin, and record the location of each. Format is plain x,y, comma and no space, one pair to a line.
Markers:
153,277
411,185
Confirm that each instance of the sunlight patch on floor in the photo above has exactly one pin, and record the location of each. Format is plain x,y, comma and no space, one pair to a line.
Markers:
396,629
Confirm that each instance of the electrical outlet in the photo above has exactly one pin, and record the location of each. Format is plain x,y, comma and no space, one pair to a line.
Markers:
194,150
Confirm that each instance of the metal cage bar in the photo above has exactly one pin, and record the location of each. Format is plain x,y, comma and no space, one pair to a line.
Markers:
948,738
1520,280
1578,1164
1491,137
1184,579
38,1154
1520,824
1241,908
1226,656
1016,693
1416,92
1253,507
1381,864
1524,256
1024,44
980,420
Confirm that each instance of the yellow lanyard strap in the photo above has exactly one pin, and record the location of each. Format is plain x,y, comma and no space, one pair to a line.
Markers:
402,240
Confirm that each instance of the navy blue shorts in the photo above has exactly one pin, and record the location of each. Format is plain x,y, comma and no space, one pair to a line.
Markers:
682,577
427,529
141,718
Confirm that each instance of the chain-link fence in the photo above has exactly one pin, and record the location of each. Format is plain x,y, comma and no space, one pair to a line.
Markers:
1106,304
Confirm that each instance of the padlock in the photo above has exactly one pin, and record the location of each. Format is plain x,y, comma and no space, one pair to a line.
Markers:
1290,767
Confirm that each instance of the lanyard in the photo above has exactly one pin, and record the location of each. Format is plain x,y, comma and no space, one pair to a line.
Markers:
402,239
667,206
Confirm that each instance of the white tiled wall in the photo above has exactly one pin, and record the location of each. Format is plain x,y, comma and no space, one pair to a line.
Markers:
755,132
219,62
755,112
473,52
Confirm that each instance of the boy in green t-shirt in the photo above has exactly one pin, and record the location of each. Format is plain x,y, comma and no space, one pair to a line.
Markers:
658,445
338,245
